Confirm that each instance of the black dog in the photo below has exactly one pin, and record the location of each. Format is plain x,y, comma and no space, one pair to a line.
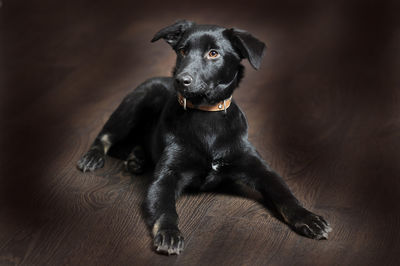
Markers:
194,133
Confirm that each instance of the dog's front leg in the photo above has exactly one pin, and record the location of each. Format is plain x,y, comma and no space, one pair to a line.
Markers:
160,203
253,171
125,119
117,127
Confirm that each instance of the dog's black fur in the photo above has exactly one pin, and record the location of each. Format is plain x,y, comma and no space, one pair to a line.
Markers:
193,148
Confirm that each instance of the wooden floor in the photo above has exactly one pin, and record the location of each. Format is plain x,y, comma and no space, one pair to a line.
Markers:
324,110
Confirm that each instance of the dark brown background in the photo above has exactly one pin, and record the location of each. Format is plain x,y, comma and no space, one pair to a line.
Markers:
323,110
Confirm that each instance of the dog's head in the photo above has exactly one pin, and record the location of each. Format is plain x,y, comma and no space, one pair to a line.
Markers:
208,65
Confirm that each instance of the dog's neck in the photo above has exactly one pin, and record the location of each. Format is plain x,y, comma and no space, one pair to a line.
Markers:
220,106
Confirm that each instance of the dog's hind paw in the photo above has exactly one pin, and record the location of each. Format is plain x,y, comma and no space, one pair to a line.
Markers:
311,225
169,242
136,163
135,166
91,161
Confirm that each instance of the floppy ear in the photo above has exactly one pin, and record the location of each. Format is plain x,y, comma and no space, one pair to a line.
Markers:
248,46
173,33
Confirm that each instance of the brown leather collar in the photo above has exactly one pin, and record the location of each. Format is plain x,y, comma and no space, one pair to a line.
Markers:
221,106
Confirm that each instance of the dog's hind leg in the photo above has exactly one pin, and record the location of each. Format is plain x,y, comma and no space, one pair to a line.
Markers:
137,110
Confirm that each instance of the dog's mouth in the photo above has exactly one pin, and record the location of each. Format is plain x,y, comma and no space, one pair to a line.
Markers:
195,98
197,95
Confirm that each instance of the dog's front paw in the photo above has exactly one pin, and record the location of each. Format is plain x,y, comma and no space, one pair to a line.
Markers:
91,161
169,242
310,225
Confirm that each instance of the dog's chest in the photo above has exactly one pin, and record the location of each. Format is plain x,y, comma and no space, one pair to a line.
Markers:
212,135
214,141
210,138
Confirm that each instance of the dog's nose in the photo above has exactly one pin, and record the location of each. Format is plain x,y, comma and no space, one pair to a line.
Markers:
184,80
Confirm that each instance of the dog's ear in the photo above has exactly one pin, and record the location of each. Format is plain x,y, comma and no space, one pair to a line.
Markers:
173,33
248,46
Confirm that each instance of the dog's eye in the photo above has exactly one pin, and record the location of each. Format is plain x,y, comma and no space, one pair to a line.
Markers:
182,52
212,54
